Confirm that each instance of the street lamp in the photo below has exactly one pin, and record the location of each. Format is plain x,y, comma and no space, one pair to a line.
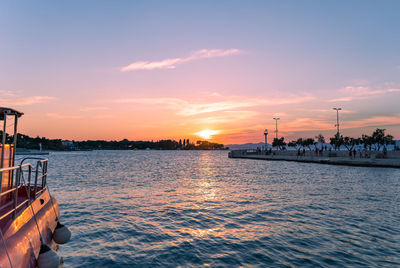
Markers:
337,120
266,144
276,126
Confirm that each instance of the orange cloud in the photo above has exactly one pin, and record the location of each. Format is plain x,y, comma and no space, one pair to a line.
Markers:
232,103
225,117
95,108
63,116
304,124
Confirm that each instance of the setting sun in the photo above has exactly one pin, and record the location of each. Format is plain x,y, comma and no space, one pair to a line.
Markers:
207,133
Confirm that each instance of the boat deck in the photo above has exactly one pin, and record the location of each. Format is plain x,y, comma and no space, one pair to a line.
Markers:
7,208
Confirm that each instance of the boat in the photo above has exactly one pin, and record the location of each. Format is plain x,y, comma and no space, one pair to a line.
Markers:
30,227
30,152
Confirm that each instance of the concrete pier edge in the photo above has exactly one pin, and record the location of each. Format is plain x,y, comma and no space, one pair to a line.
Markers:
342,161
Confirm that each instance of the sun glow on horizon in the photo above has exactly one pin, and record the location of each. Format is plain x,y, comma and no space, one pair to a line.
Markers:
207,133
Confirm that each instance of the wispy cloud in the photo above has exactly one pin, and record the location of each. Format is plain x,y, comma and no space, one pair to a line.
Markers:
79,116
186,108
323,122
223,117
16,100
305,124
95,108
8,94
361,92
374,121
173,62
319,111
63,116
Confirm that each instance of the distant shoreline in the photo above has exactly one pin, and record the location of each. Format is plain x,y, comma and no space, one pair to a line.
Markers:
30,143
46,152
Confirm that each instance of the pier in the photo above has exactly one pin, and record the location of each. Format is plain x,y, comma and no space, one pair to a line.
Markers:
376,159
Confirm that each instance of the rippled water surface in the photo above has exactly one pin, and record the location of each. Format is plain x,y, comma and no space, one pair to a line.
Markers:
192,208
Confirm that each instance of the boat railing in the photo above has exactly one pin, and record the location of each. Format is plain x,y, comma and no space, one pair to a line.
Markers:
31,177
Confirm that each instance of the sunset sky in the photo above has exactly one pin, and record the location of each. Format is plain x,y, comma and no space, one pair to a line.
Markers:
170,69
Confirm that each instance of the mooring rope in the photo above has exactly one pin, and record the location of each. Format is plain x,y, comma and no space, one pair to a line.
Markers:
5,247
30,204
48,189
52,204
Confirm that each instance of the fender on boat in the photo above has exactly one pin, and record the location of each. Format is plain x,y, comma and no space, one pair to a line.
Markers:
48,258
61,234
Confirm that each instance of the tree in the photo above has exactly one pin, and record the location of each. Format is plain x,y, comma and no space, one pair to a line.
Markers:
292,144
367,141
349,143
336,141
308,142
280,143
320,138
299,143
387,140
380,139
206,145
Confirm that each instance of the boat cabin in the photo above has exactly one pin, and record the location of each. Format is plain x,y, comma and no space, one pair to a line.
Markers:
19,182
8,138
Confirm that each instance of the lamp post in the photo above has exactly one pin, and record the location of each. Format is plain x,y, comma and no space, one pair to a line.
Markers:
266,144
337,120
276,126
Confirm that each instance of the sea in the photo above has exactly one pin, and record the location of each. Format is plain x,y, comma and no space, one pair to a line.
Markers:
201,208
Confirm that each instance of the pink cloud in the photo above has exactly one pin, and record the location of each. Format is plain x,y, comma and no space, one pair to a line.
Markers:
374,121
23,101
8,93
361,92
172,63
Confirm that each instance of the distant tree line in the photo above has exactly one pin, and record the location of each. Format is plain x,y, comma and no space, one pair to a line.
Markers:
376,141
206,145
27,142
24,141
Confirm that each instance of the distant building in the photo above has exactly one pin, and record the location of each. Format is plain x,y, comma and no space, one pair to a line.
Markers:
69,145
397,144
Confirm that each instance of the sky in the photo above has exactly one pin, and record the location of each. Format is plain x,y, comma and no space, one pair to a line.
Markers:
149,70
